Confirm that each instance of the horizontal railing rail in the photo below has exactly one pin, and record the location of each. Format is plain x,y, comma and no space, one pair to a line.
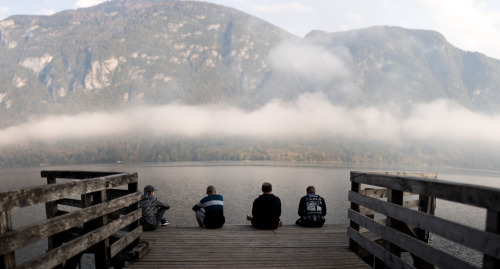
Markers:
90,227
396,233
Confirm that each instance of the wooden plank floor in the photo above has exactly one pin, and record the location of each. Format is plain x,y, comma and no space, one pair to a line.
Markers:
241,246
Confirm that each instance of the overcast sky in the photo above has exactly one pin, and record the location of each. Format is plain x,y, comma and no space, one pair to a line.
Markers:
467,24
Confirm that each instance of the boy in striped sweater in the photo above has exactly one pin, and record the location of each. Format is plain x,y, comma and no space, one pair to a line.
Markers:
210,210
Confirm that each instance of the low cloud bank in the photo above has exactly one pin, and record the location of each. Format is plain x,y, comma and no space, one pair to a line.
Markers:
311,61
310,116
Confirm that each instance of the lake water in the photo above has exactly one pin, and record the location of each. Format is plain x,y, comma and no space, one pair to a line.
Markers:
182,185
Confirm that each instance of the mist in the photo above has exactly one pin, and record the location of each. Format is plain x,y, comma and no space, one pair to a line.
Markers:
311,61
310,116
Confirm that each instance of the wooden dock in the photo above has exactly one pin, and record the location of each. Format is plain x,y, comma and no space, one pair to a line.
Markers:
242,246
105,213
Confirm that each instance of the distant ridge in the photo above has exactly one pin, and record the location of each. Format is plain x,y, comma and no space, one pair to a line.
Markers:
122,52
411,66
155,52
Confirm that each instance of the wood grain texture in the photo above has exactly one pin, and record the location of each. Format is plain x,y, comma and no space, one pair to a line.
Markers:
242,246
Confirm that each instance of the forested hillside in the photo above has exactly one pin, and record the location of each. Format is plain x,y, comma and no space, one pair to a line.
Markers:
184,56
325,151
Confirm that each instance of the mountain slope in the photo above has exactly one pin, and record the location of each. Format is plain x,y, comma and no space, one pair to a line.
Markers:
156,52
121,52
393,64
125,53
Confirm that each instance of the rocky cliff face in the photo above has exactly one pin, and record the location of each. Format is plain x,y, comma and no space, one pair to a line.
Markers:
397,65
154,52
123,52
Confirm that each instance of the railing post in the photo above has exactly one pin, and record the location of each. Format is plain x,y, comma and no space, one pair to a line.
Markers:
395,197
427,205
101,249
492,226
8,260
353,246
134,187
53,241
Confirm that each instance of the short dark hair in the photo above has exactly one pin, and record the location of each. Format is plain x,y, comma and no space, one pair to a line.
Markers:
311,189
267,187
149,189
210,189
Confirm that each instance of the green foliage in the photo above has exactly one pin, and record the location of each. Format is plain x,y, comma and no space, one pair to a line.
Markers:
158,52
121,52
148,149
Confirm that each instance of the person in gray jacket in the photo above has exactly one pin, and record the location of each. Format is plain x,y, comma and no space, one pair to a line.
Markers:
152,210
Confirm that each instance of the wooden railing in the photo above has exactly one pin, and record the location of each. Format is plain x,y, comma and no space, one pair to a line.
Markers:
100,218
385,240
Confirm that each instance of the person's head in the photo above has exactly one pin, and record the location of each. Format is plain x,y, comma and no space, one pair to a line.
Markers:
149,189
211,190
267,187
310,189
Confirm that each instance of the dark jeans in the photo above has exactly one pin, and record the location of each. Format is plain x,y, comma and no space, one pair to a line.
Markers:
305,222
159,217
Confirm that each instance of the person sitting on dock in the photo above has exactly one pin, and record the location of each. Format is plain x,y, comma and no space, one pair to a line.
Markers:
266,210
210,210
152,210
312,209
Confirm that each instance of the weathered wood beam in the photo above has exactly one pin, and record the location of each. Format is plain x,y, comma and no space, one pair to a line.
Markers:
476,239
123,242
72,248
51,211
24,236
70,202
394,197
102,259
379,193
353,245
481,196
433,255
7,259
48,193
75,174
381,253
492,227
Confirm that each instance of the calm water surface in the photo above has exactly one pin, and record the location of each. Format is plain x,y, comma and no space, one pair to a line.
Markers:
183,184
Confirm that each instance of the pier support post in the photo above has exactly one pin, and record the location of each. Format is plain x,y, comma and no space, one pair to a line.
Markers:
492,226
426,205
353,246
8,260
134,187
53,241
101,249
395,197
